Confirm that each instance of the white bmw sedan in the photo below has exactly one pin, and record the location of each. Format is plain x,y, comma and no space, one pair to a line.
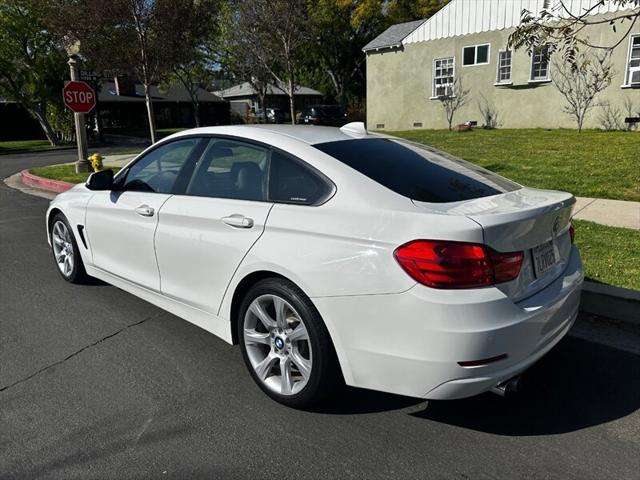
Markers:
333,255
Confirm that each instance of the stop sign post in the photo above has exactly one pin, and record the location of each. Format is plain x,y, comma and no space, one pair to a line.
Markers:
81,98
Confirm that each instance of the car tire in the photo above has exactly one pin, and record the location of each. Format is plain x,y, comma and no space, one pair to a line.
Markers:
66,253
301,368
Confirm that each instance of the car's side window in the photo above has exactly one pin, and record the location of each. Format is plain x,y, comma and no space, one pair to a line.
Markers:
230,169
158,170
290,181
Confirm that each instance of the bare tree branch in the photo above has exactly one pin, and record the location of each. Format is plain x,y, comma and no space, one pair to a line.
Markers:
581,82
455,98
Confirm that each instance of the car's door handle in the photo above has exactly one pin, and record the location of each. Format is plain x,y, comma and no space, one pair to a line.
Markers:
239,221
145,211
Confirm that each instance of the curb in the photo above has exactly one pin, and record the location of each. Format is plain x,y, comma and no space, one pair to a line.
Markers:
611,302
57,186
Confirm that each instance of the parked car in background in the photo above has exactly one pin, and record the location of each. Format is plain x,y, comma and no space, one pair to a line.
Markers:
333,254
274,115
328,115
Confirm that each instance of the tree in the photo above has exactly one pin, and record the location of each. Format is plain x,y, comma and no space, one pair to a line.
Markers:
455,98
400,11
147,38
279,28
564,29
339,29
234,49
610,118
193,74
31,67
581,82
193,69
489,112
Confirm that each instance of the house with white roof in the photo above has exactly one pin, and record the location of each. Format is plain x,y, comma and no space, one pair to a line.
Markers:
412,65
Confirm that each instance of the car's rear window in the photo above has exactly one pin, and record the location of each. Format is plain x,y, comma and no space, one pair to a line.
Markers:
417,171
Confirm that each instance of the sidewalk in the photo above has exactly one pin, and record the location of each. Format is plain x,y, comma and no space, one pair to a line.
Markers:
117,160
615,213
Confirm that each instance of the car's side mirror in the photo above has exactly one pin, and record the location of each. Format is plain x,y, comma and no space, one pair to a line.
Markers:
102,180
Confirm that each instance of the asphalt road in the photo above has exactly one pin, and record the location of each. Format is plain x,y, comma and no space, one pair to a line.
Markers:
95,383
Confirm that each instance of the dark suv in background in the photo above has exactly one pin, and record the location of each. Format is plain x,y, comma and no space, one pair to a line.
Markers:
329,115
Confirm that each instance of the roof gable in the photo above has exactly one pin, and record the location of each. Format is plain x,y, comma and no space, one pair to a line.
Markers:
392,36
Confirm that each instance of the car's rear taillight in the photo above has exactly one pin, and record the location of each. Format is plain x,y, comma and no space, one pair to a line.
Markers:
506,266
447,264
572,232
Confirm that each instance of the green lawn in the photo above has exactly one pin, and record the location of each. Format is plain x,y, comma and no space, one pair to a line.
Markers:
66,173
589,164
9,146
610,254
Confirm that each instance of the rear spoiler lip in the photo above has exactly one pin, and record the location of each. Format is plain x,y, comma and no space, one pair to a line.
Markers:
488,207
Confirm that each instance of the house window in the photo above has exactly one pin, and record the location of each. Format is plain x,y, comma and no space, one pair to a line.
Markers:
443,76
633,67
504,67
475,55
540,64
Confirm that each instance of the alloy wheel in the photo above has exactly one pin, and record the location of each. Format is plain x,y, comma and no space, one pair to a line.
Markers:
277,344
63,248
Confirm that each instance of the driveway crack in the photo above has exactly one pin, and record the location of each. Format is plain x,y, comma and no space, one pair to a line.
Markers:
77,352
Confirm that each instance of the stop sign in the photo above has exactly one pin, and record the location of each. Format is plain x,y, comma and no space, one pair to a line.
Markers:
79,97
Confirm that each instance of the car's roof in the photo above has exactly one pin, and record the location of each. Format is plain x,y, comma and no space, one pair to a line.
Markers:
310,134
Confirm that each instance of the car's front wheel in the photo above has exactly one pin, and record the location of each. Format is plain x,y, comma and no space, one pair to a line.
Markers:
285,344
65,251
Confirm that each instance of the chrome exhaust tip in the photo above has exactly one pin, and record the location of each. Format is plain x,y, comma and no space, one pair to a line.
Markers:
508,387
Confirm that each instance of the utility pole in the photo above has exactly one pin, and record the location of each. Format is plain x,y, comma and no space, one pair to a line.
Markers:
82,164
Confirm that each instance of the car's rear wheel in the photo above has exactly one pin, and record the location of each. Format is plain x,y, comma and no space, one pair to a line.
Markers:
65,251
285,344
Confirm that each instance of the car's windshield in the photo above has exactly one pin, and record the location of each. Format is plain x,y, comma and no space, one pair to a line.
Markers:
417,171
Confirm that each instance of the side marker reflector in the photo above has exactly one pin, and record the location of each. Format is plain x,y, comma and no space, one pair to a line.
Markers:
484,361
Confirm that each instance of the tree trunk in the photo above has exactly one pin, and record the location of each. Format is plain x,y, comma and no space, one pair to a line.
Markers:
196,111
149,103
46,126
262,98
580,119
99,128
339,87
292,104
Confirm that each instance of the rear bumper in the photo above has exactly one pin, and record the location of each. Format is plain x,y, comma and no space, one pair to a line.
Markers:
411,343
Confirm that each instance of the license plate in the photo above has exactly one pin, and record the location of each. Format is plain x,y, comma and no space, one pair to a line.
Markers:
544,257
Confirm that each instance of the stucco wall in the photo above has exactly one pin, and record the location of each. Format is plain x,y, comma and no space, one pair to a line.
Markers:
399,85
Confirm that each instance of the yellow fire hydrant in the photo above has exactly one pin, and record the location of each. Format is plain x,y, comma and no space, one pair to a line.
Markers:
96,162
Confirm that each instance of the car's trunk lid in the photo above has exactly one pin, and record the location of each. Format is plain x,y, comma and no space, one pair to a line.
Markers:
530,220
